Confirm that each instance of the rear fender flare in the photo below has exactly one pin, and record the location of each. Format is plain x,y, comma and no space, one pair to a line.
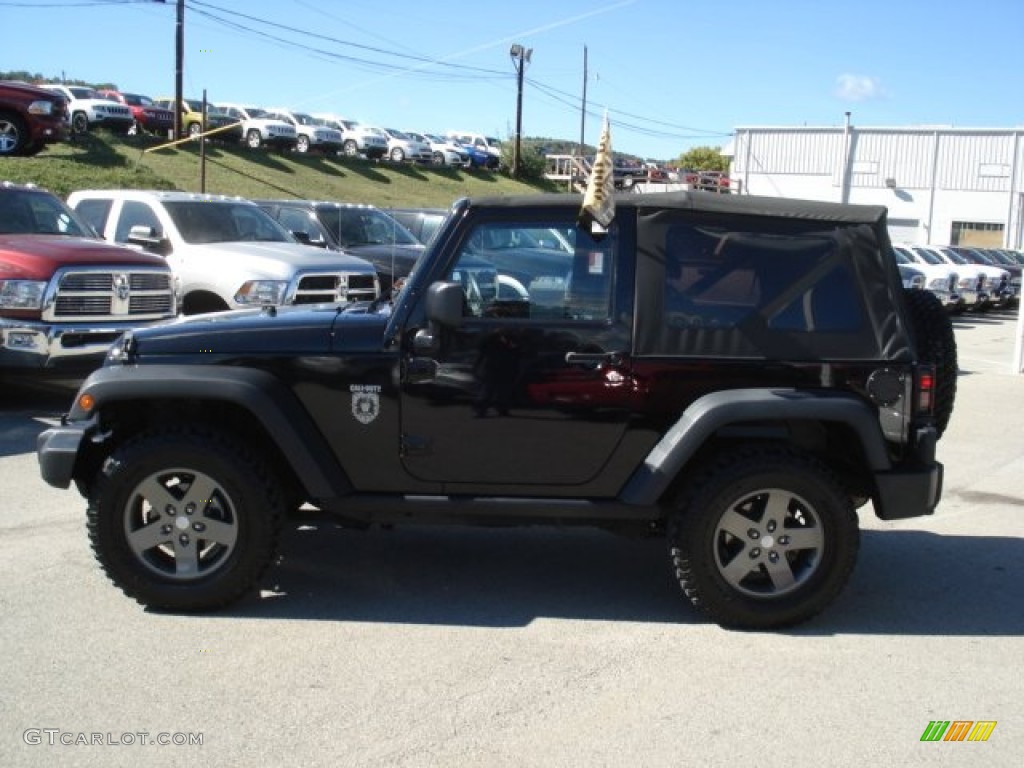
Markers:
708,414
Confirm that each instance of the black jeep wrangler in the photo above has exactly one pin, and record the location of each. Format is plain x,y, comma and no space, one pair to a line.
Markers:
735,374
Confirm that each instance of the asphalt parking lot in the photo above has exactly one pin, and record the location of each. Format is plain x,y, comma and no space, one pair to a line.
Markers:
526,647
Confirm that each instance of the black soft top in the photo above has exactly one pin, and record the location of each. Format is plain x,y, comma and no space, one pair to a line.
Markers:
704,202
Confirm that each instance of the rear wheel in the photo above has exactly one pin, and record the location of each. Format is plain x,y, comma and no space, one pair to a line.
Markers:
935,340
763,538
184,519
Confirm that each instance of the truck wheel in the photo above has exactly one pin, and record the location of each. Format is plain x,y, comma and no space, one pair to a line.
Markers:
935,340
763,538
13,135
184,520
79,122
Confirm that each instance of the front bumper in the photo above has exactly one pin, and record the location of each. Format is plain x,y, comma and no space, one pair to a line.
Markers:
27,345
57,452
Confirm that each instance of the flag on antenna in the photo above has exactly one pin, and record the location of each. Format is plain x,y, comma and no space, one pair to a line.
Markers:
599,199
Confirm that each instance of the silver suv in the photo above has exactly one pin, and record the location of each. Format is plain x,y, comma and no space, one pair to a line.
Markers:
313,134
227,252
358,139
259,128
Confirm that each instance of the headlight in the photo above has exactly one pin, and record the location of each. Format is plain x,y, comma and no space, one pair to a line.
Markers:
40,108
258,292
21,294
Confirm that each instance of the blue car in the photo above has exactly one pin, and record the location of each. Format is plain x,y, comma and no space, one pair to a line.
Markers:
479,158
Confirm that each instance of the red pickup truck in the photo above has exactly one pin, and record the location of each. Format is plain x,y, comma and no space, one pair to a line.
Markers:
65,294
30,118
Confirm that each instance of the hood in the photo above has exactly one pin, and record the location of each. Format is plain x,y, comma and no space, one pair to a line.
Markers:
392,260
38,256
283,331
247,333
270,258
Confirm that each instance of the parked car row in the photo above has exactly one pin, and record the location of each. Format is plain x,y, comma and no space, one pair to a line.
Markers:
33,116
964,278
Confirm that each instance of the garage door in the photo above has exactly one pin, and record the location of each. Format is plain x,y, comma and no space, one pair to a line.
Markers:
904,230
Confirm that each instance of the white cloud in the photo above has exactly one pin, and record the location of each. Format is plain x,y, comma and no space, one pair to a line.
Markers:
857,88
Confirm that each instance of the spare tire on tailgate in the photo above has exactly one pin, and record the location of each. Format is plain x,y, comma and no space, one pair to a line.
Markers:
933,335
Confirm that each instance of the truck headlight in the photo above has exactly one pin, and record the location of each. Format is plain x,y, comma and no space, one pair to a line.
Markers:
257,292
21,294
40,107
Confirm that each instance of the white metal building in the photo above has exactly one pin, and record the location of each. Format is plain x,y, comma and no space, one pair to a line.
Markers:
942,185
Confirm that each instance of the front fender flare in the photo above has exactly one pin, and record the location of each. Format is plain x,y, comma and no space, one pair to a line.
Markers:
708,414
259,393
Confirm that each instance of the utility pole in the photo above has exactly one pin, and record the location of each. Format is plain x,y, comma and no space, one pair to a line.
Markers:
520,58
583,110
179,62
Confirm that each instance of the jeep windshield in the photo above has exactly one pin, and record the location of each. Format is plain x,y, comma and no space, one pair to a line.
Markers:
206,221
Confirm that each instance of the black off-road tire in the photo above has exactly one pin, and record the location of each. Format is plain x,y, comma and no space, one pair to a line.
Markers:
749,513
932,330
166,490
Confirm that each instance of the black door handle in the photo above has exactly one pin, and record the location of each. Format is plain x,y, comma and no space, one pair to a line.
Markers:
594,358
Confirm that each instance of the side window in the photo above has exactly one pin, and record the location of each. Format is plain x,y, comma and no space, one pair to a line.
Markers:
95,213
536,270
133,214
724,279
301,221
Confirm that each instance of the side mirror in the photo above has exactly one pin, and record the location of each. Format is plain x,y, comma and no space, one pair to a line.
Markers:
149,238
445,304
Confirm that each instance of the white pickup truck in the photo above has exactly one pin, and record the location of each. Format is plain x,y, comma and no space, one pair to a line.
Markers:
227,252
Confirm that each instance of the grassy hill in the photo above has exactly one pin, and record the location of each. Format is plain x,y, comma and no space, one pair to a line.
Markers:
115,162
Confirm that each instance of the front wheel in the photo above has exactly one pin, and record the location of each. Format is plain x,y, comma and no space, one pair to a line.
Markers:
397,155
79,122
254,139
763,538
302,144
14,136
184,520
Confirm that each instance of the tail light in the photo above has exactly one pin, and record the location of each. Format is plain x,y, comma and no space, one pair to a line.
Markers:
925,390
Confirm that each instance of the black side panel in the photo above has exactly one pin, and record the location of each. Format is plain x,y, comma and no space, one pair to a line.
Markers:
268,400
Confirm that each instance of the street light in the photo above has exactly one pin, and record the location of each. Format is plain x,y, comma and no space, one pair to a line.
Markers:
520,58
